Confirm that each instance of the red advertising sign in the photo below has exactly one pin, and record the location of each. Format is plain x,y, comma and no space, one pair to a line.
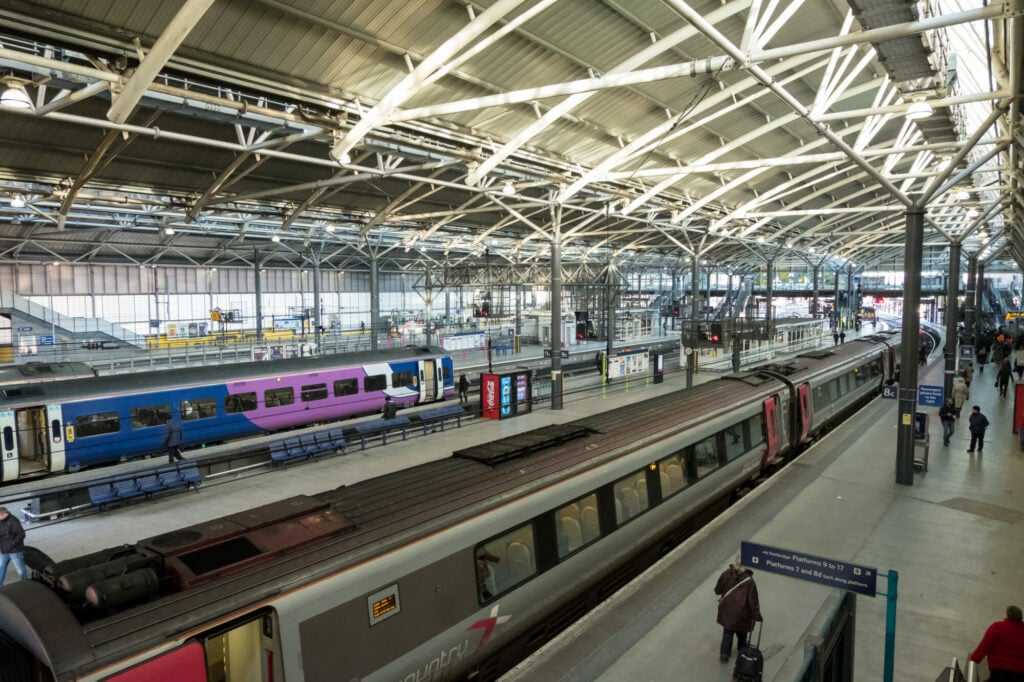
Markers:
490,395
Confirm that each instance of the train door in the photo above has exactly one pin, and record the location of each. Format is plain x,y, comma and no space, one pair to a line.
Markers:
56,437
33,440
9,445
803,392
245,651
428,380
771,430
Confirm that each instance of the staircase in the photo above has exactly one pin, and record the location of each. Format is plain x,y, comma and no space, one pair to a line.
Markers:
43,322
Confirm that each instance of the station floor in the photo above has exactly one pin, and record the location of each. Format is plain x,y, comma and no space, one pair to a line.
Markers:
954,537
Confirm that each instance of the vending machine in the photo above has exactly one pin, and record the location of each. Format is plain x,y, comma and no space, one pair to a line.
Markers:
506,395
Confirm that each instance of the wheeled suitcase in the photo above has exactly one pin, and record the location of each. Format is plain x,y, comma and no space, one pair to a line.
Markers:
749,660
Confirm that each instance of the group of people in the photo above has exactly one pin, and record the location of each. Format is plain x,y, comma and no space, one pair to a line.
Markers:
977,423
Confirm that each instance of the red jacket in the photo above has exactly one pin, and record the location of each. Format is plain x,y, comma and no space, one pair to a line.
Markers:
1003,643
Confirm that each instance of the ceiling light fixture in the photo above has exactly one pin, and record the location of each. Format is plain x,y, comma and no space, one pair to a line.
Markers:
918,109
962,195
508,189
14,95
17,201
275,238
168,231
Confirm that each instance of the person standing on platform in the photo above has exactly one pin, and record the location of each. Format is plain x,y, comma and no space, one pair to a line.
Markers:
842,337
968,375
1003,644
960,394
12,545
978,424
172,441
1003,376
982,355
947,415
738,607
463,388
835,337
390,409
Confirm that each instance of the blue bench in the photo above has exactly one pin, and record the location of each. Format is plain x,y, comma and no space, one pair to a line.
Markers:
438,415
143,484
502,348
307,446
381,428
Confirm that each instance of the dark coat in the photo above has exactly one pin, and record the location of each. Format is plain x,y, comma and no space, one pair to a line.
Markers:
390,410
947,412
12,536
172,437
979,422
463,384
739,609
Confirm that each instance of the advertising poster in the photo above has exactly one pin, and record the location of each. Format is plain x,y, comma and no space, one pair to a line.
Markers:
506,396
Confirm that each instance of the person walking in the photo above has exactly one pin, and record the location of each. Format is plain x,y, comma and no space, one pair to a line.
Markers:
738,607
982,355
835,337
968,375
172,441
960,394
1003,376
1003,644
978,424
947,415
12,545
463,388
1018,362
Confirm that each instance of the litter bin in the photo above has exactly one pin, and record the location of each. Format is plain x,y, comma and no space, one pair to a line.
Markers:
921,454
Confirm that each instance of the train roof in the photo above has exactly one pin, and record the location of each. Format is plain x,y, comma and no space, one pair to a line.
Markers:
73,389
31,372
357,522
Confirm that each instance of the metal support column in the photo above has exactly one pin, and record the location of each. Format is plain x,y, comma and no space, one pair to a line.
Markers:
815,286
317,322
428,298
835,300
979,299
556,309
257,267
952,312
768,293
969,311
374,302
609,311
914,245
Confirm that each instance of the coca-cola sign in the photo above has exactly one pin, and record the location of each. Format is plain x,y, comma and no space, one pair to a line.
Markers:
489,395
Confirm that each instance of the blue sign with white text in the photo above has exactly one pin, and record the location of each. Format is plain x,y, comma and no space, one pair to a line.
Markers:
816,569
929,396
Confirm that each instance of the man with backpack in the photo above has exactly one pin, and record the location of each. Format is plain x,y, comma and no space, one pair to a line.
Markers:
738,607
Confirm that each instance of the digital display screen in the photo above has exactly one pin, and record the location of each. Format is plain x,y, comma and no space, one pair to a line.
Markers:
383,604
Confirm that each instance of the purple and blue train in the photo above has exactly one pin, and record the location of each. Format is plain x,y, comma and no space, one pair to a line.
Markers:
67,425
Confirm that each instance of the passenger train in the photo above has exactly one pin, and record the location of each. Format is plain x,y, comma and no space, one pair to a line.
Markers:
452,569
66,425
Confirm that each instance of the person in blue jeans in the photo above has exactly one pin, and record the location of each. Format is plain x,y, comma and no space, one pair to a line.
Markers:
947,415
12,545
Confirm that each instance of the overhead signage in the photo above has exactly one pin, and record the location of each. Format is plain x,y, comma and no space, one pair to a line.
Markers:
815,569
929,396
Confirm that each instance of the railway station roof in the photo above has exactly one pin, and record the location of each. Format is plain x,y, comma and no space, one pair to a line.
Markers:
423,133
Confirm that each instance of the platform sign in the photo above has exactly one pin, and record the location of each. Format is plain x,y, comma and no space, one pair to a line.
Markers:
966,352
929,396
890,391
46,340
816,569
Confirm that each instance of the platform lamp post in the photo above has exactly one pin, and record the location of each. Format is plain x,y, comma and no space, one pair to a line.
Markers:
911,329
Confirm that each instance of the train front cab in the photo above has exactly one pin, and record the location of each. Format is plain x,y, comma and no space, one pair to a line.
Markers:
31,441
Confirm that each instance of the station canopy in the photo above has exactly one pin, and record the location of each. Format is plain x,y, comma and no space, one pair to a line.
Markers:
430,133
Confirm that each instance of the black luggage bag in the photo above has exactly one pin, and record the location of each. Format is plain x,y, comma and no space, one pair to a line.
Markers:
749,660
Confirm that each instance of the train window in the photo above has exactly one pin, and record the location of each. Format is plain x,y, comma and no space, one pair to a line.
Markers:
377,382
630,496
346,387
821,397
705,457
150,415
672,472
97,424
576,525
8,438
734,445
755,428
276,397
200,408
505,561
240,402
401,379
314,392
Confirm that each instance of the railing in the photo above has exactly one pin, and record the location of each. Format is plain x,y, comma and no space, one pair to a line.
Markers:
73,325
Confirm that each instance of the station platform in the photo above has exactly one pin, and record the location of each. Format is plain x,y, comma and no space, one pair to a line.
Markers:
954,538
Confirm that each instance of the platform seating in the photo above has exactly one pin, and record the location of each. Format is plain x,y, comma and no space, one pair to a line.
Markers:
381,428
307,446
143,484
439,415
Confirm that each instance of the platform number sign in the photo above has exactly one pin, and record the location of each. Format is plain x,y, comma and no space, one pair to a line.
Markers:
890,392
